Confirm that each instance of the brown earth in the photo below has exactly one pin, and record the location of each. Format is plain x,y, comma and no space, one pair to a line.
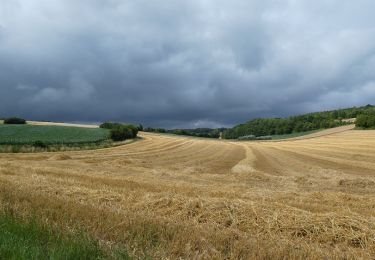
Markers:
179,197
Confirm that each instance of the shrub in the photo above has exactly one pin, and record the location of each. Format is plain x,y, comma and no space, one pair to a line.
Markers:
40,144
366,120
109,125
133,128
180,132
160,130
121,133
154,130
14,121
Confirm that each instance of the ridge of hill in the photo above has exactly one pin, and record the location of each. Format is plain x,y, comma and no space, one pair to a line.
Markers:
264,128
297,124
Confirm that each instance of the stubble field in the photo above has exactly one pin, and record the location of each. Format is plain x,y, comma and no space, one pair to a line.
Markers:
179,197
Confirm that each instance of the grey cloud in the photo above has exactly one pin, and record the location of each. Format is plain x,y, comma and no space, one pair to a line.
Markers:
183,63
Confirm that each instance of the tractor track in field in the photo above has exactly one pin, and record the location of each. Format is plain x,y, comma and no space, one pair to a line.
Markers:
179,197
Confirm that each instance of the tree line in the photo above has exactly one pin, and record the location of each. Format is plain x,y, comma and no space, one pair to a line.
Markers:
198,132
366,120
300,123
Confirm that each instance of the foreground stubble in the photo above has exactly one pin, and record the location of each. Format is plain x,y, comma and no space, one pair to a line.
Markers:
171,197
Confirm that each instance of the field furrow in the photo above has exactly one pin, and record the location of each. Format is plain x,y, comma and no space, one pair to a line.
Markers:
178,197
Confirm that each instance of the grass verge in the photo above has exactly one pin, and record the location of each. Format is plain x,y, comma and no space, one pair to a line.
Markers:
17,148
28,240
363,128
64,148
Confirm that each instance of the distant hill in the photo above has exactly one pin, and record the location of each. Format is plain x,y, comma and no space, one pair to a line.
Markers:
263,128
297,124
197,132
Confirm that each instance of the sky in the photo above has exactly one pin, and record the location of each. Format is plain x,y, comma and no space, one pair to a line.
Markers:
178,63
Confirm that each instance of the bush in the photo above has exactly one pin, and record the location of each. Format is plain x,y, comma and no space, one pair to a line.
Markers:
40,144
133,128
154,130
180,132
121,133
366,120
14,121
109,125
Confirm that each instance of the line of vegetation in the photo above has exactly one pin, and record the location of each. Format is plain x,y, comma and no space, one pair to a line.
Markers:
121,132
275,137
366,120
20,239
294,135
17,136
14,148
42,136
14,121
198,132
296,124
278,128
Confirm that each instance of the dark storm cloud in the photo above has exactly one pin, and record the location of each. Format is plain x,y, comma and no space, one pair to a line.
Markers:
183,63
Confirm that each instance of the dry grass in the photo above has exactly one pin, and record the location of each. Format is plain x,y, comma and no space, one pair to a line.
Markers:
176,197
321,133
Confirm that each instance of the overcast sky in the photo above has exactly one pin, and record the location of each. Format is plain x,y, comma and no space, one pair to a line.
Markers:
179,63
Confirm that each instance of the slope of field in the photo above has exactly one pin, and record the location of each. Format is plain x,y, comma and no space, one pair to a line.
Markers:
28,134
171,197
321,133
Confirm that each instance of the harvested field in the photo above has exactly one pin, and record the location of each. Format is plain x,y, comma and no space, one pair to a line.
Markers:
324,132
179,197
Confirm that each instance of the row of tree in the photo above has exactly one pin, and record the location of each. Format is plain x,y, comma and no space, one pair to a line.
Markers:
278,126
366,120
296,124
14,121
198,132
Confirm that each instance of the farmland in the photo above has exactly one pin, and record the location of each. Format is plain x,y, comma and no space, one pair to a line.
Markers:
28,134
171,196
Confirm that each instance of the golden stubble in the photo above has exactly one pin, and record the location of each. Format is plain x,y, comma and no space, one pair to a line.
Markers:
179,197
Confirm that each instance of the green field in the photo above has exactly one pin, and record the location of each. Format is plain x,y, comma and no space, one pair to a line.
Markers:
50,135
